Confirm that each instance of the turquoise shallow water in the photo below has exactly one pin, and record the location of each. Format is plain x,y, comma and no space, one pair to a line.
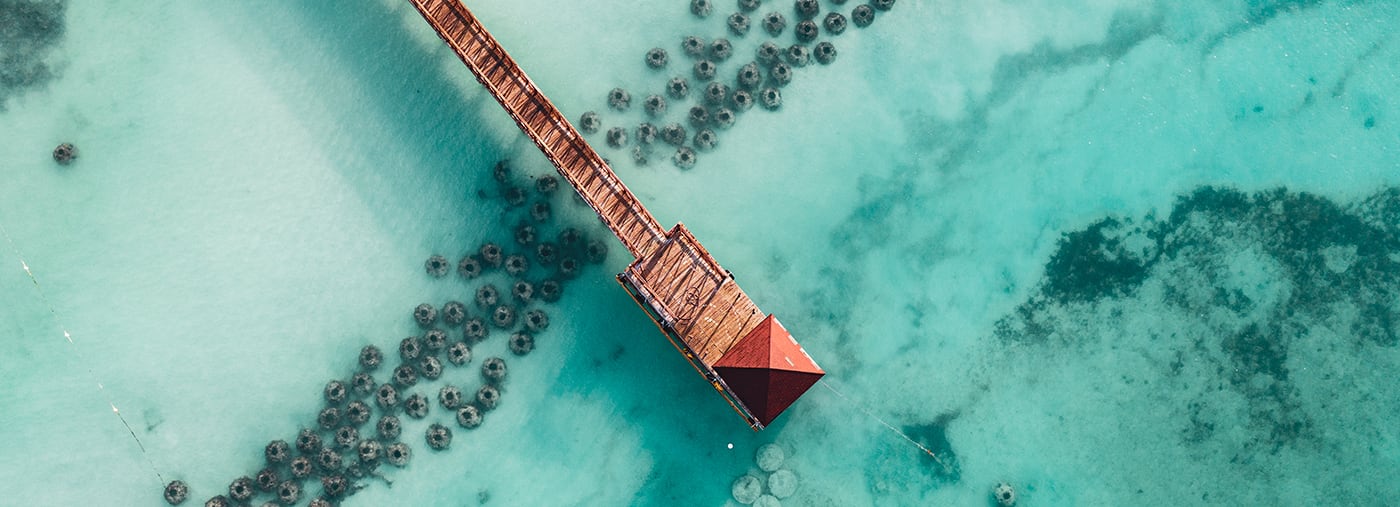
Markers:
1105,252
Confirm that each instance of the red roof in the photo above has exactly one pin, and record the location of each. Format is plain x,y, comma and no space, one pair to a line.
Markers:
767,370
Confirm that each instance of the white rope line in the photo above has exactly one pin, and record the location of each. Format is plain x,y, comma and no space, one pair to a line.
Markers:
901,434
73,348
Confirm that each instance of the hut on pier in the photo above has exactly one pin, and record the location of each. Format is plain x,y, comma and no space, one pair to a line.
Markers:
746,355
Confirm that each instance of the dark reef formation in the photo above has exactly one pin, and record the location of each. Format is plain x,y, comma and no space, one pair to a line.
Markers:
29,32
335,452
1250,279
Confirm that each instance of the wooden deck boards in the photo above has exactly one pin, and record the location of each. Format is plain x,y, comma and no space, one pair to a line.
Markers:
544,124
693,297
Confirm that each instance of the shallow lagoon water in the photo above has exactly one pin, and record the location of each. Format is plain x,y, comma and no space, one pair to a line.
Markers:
259,184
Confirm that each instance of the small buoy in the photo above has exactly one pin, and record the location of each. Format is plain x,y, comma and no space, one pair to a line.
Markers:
731,445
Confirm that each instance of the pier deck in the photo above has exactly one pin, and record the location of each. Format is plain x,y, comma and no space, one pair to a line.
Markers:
694,301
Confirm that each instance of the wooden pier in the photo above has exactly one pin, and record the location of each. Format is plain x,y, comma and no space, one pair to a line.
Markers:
694,301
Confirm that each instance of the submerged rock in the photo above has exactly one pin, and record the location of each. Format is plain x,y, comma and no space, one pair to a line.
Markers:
328,418
706,139
370,357
774,23
705,70
459,353
405,376
334,392
835,23
267,479
469,267
300,467
389,427
521,343
517,264
769,457
536,320
522,291
746,489
806,31
357,412
693,46
503,316
289,492
386,396
589,122
750,76
824,52
415,406
474,330
434,340
772,99
619,99
487,397
700,8
493,369
425,315
738,24
369,451
684,158
487,296
362,383
454,312
782,483
1004,495
491,254
450,397
551,290
65,153
468,416
657,58
308,441
742,100
398,454
798,55
720,49
277,451
862,16
715,93
655,105
176,492
410,348
437,266
346,436
430,367
439,437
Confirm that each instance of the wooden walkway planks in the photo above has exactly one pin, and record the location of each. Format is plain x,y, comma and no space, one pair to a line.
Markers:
694,300
576,161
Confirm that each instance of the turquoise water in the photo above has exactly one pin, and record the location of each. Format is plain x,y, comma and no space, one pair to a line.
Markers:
1106,252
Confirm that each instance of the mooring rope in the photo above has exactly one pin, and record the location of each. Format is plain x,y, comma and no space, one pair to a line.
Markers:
73,348
891,427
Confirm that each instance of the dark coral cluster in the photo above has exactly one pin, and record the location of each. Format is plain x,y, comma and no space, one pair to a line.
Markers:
337,452
1246,280
788,40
